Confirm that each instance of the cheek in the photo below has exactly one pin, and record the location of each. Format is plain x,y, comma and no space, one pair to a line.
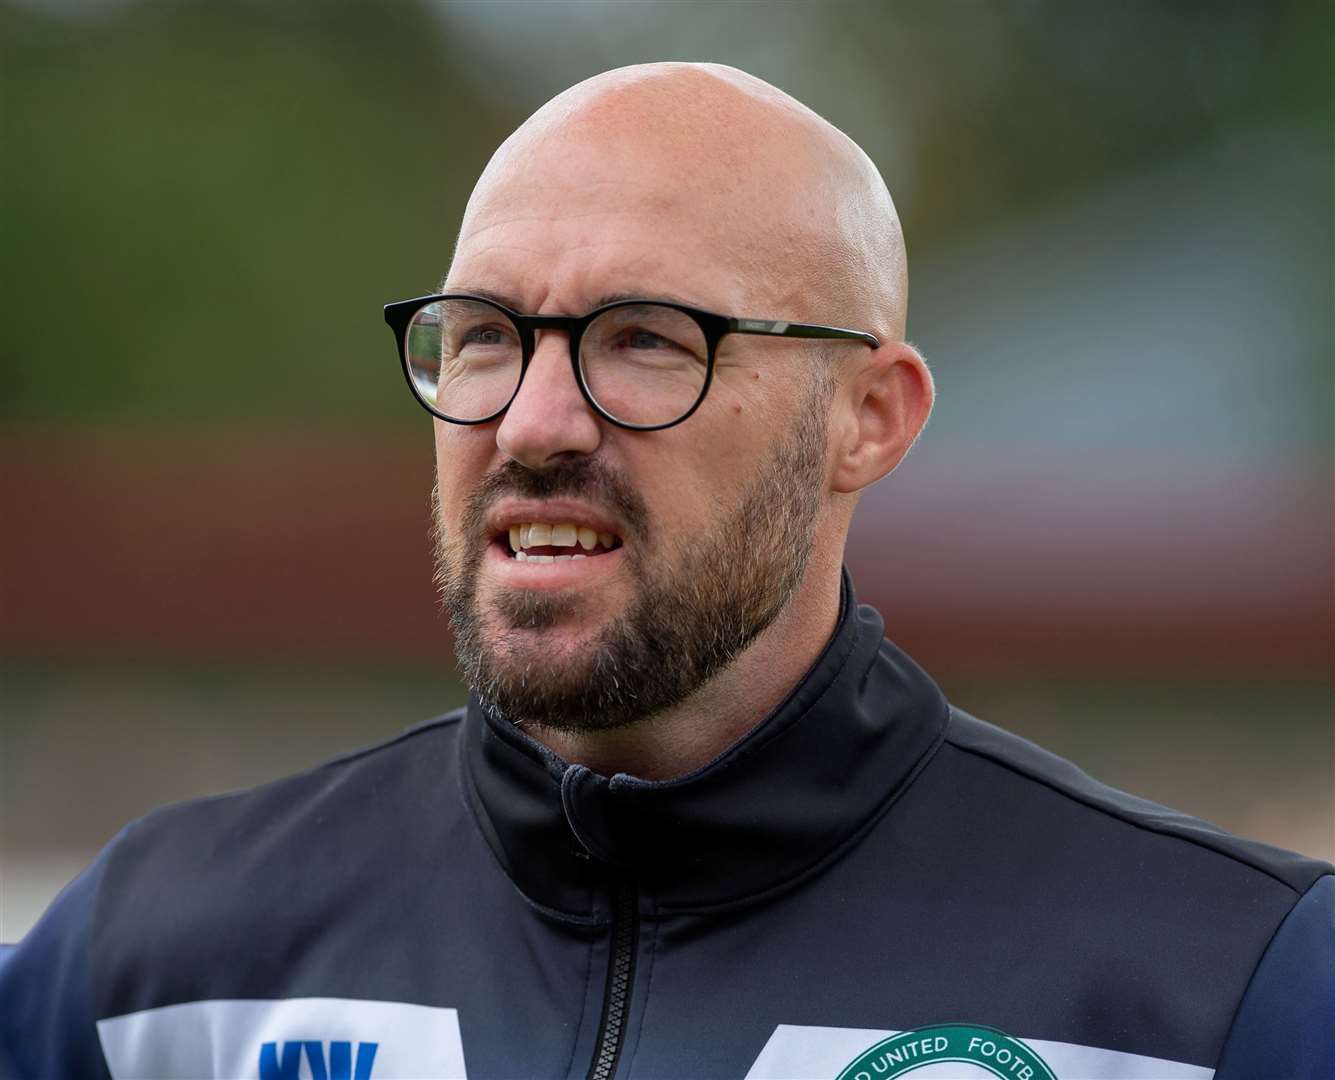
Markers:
463,455
757,396
700,476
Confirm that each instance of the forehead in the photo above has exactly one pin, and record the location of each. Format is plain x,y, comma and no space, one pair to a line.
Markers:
568,214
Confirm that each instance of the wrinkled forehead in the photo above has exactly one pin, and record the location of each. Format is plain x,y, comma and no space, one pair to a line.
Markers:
729,206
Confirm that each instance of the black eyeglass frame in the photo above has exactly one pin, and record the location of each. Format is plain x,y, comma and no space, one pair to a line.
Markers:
399,315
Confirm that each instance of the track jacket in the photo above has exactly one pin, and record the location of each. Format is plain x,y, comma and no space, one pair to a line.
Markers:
868,884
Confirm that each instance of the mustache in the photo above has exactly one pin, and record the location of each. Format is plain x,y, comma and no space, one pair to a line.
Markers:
582,477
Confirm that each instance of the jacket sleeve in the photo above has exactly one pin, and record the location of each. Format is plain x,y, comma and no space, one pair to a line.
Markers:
47,1025
1285,1026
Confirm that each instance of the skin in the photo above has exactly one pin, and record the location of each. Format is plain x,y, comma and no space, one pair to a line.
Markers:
703,184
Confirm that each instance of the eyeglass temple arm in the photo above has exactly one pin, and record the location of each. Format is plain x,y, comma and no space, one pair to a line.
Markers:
772,328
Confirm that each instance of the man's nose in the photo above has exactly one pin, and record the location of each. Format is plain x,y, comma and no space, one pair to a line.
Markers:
548,416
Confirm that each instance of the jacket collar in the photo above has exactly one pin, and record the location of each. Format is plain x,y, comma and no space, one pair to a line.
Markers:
776,806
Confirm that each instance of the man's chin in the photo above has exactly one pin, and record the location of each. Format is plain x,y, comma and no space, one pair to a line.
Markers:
557,677
559,616
561,646
530,630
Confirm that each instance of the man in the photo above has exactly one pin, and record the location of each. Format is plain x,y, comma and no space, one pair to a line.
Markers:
699,819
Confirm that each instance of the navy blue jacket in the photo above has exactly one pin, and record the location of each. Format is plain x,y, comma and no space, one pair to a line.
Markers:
868,881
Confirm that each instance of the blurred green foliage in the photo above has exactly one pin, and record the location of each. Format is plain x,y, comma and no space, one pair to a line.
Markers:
204,204
203,212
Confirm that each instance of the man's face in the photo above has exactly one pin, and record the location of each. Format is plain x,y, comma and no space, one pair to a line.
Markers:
711,521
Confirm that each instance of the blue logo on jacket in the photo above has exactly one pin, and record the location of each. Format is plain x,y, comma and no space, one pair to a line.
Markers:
338,1066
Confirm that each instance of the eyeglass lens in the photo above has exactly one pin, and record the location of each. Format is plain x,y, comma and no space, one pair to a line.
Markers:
643,364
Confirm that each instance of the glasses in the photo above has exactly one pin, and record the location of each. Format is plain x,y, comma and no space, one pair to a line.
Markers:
640,364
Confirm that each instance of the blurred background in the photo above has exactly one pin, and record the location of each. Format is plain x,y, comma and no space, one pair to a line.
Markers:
1114,538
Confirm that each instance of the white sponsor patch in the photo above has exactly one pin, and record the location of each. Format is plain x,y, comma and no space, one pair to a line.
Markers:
794,1052
285,1039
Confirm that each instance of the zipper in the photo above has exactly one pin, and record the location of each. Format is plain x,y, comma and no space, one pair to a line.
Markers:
620,974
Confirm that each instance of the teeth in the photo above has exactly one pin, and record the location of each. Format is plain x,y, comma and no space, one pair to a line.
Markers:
524,556
531,534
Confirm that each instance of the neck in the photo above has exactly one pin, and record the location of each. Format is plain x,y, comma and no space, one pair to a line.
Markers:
682,739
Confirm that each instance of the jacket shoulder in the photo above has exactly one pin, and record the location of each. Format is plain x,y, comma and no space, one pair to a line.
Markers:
191,886
1032,764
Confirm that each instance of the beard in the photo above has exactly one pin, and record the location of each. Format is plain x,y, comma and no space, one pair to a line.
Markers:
696,603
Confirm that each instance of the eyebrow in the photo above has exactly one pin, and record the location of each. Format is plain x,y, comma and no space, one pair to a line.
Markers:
602,301
486,294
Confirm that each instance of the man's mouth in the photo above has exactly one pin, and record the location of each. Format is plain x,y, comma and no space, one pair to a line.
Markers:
543,542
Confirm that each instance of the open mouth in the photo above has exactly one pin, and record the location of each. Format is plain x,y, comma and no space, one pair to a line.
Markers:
543,542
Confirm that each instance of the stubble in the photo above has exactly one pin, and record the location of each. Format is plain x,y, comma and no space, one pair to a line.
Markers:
696,603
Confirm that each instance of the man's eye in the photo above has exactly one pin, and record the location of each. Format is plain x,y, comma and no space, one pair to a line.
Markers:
483,335
647,339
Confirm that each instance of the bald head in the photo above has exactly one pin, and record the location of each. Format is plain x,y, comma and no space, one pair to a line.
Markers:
779,213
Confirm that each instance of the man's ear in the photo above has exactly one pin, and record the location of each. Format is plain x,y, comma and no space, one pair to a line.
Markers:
881,409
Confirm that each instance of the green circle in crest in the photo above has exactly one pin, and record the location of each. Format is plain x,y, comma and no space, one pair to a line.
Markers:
893,1056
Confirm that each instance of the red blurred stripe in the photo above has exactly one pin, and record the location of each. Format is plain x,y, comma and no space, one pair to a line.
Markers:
202,544
257,546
